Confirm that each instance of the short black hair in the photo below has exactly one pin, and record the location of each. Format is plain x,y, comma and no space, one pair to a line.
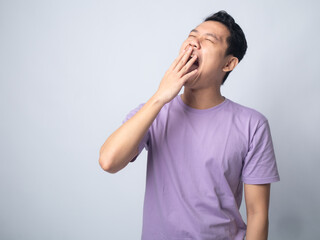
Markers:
237,43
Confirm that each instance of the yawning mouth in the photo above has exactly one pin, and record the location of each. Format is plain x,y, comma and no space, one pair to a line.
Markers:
194,66
196,62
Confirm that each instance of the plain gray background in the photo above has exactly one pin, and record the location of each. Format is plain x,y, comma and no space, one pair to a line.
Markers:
70,72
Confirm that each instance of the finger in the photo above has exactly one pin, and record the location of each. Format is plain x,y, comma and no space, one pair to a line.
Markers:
186,67
174,64
183,60
189,75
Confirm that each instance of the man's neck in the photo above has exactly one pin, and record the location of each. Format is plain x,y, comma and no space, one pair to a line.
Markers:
202,98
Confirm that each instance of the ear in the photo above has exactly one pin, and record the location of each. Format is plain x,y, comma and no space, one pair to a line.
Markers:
231,64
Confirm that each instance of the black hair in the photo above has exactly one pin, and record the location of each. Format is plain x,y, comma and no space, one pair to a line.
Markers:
237,43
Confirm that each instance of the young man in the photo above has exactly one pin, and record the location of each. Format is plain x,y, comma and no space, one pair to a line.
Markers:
201,145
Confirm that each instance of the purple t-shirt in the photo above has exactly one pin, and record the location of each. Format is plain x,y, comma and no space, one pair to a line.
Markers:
198,160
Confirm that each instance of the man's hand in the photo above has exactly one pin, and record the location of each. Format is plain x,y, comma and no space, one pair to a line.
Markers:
176,76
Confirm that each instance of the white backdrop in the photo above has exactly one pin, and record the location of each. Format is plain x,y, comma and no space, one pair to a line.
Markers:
70,71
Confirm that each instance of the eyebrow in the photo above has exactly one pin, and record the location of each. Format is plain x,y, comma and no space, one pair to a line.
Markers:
209,34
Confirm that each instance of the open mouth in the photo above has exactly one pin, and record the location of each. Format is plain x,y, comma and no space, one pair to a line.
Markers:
194,66
196,62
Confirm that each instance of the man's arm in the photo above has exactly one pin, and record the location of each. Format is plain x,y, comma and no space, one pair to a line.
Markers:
257,203
121,146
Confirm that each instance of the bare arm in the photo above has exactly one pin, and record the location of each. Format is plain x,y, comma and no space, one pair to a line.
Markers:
257,204
122,145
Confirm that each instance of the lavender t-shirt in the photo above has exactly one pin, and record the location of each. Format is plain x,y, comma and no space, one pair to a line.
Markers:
198,160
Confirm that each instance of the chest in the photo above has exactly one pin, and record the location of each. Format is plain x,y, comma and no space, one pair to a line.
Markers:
205,150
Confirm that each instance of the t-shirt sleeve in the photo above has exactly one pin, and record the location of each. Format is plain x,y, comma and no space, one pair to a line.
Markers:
144,142
260,166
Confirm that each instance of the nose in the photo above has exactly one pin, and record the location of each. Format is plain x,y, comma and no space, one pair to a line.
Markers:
194,43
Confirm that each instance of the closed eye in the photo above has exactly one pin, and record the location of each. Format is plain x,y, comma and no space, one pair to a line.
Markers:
206,38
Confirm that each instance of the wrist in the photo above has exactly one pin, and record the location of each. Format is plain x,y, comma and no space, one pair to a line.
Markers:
156,99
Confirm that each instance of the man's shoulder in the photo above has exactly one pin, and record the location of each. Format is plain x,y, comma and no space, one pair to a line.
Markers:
246,112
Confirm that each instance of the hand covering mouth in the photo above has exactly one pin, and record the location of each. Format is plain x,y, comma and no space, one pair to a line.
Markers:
196,62
195,65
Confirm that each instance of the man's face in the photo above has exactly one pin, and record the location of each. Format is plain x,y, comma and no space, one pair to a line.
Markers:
209,41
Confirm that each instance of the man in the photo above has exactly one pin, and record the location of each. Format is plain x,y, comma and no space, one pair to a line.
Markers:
201,146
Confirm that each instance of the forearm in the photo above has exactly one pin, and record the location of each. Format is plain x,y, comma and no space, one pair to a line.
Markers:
257,227
121,146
